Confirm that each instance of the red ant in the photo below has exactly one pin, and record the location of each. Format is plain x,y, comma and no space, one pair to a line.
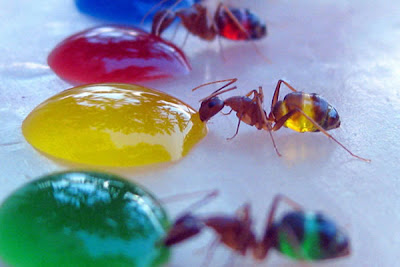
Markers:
228,22
300,234
299,111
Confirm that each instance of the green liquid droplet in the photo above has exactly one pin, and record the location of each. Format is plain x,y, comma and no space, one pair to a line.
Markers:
82,219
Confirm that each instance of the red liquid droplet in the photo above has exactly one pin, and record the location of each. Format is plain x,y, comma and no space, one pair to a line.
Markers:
116,54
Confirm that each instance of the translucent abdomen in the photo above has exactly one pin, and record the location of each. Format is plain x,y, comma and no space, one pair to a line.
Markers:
313,106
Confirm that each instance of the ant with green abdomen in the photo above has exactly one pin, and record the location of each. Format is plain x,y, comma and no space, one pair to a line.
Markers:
300,234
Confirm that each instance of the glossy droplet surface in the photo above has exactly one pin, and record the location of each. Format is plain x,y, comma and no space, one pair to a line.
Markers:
82,219
125,11
116,54
113,125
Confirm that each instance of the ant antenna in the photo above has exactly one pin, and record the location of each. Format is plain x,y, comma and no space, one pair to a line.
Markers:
183,196
207,198
151,9
230,81
218,91
11,143
165,15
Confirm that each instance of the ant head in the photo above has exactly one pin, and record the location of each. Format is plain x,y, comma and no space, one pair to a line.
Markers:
184,227
209,107
161,21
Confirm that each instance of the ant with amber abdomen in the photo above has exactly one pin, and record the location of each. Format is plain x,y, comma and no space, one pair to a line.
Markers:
301,235
299,111
228,22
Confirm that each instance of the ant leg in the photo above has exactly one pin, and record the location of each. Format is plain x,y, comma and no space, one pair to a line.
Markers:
210,252
262,248
327,134
261,94
221,48
279,123
276,92
267,123
237,129
330,136
186,38
254,92
234,19
274,206
243,212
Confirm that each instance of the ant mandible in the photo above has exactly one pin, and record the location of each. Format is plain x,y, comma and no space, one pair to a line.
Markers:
299,111
301,235
228,22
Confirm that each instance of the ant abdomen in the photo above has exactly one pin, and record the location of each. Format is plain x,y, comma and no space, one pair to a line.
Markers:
253,27
313,105
310,236
195,20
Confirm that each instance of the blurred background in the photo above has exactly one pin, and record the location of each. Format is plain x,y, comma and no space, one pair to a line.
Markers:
347,51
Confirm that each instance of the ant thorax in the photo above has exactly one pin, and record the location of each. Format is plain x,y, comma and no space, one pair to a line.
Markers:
212,7
197,21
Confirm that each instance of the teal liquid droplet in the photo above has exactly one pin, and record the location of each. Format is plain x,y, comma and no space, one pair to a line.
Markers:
82,219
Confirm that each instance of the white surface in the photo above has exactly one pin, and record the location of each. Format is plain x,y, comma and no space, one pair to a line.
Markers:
347,51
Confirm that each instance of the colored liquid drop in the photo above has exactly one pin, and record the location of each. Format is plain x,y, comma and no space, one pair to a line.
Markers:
116,54
125,11
113,125
82,219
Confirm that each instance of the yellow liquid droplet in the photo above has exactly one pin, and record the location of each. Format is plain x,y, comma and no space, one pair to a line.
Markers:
113,125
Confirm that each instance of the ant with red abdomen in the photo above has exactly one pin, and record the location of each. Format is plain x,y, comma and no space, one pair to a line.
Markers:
299,111
228,22
299,234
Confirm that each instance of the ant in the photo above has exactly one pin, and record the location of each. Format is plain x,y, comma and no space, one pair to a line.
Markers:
228,22
301,235
299,111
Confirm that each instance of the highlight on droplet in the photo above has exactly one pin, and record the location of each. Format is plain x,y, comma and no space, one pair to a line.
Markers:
113,125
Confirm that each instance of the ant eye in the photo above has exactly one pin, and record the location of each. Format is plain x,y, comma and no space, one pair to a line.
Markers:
211,104
215,101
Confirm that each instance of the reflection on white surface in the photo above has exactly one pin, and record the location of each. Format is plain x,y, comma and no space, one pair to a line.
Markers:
347,51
